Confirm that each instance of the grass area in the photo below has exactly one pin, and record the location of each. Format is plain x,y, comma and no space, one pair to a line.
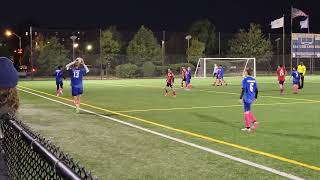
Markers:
289,127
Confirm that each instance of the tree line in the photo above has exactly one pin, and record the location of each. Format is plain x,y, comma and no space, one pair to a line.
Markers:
144,54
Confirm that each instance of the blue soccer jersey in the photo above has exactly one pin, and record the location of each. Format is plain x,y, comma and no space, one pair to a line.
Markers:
249,85
295,77
220,72
76,75
59,75
188,76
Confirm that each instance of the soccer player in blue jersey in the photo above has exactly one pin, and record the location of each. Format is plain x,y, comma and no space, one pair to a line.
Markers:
59,82
249,94
188,78
296,77
77,70
220,80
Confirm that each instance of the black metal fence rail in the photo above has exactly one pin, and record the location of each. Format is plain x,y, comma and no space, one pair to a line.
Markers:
30,156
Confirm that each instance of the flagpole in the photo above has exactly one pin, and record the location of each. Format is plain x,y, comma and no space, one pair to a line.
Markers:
308,24
291,42
283,39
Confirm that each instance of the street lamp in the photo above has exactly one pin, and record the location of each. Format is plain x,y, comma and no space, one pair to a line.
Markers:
73,38
89,47
75,45
9,33
277,40
188,39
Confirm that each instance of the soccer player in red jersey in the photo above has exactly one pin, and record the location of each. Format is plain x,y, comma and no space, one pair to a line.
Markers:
183,75
281,73
170,81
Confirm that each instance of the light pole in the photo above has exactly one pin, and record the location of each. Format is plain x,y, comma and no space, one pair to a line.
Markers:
73,38
9,33
277,40
188,39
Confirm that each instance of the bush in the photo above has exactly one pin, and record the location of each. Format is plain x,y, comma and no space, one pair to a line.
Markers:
148,69
126,70
176,68
161,70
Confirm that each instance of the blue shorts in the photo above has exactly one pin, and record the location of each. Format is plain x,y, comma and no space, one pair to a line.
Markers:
220,77
296,83
247,106
76,91
188,81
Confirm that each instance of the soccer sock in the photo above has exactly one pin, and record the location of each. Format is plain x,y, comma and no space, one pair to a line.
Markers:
253,119
295,88
247,119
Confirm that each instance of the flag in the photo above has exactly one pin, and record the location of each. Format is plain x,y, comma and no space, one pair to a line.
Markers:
297,12
305,23
278,23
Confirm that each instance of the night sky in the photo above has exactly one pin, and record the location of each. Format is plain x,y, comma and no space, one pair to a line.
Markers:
169,15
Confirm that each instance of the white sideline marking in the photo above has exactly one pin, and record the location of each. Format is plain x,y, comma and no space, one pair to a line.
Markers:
262,167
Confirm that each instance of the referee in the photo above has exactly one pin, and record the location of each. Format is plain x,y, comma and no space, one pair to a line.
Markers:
302,70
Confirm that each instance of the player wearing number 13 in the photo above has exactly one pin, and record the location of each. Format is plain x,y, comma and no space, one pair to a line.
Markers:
248,95
76,74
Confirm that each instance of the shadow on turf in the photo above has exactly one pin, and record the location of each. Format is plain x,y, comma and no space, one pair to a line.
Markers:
214,119
298,136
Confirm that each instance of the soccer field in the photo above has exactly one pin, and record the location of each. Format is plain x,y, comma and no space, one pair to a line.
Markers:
287,140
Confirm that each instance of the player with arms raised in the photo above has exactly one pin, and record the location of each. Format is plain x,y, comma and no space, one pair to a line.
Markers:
249,94
76,73
170,81
281,73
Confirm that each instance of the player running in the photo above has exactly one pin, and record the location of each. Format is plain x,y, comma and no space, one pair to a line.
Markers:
59,82
188,78
281,73
183,76
76,73
249,94
170,81
296,77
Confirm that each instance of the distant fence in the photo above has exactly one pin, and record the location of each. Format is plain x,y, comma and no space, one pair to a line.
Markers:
30,156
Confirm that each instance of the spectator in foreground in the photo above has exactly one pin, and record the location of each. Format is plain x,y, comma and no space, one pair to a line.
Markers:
9,99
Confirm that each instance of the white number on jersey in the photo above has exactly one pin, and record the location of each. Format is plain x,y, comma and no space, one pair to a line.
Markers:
281,73
251,87
76,74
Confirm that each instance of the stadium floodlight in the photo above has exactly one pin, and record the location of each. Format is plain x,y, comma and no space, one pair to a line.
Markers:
73,44
188,39
231,66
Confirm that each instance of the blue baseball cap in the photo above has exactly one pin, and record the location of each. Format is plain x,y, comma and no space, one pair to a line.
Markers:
8,73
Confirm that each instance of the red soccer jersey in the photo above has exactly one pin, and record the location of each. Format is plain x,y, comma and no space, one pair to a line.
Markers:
281,73
183,73
170,77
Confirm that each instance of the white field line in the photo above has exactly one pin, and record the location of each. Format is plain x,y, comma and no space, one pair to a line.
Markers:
243,161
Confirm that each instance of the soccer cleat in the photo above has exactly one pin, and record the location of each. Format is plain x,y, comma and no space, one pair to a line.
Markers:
246,129
255,125
165,94
77,110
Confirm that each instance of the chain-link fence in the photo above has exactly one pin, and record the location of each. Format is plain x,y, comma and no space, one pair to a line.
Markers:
53,47
30,156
